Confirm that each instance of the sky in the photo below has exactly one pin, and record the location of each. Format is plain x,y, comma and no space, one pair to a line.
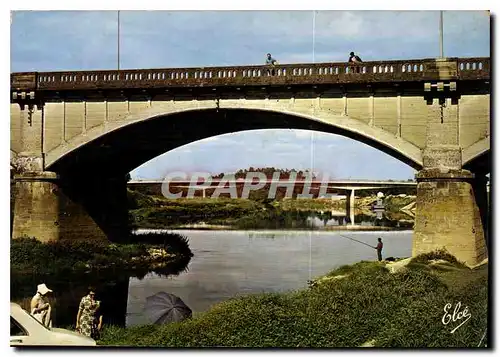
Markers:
87,40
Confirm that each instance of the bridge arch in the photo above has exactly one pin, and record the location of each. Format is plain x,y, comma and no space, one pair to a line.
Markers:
169,129
476,157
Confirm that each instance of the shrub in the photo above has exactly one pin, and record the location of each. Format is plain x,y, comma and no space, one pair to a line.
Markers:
438,254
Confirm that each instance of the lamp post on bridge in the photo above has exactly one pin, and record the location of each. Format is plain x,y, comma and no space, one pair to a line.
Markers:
441,52
118,40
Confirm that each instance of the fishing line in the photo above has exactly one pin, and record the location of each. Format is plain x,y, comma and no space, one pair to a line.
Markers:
310,260
371,246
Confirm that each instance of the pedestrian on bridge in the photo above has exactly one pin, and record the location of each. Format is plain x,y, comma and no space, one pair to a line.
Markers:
355,59
379,247
271,62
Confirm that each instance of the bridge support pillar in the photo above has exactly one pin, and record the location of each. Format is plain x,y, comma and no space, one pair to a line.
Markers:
43,211
448,215
350,205
479,185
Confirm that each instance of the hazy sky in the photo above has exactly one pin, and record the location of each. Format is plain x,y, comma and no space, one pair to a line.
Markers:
87,40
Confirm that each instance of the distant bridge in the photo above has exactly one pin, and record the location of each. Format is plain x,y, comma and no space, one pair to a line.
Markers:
340,185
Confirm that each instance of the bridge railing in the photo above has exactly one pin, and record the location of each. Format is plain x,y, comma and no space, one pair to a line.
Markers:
283,74
471,68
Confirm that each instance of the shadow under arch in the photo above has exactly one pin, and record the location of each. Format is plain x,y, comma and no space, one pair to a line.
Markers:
480,164
119,151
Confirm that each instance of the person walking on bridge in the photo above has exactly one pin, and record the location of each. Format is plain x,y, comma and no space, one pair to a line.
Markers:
271,62
379,247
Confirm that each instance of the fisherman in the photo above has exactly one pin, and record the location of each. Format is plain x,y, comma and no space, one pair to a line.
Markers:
379,247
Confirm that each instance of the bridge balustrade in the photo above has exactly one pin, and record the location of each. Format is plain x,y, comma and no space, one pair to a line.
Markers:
283,74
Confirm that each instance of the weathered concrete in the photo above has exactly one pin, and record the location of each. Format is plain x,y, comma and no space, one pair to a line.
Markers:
479,186
43,211
448,216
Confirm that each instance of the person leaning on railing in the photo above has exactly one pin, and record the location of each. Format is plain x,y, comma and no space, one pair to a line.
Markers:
270,62
353,59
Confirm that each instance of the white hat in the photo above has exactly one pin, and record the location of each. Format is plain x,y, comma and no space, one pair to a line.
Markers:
43,289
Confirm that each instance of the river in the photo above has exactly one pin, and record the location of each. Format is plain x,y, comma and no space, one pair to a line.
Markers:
231,263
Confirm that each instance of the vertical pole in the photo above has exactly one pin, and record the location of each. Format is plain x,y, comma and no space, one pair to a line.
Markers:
118,39
312,137
351,203
441,52
314,36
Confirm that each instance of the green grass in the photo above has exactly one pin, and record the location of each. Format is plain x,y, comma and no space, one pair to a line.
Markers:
395,310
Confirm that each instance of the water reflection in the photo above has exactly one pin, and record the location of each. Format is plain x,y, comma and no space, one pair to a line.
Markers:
231,263
381,218
112,287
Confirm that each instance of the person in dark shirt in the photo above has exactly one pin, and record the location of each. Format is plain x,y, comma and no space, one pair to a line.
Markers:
354,58
379,247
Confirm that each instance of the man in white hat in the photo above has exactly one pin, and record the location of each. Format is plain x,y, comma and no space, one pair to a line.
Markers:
40,307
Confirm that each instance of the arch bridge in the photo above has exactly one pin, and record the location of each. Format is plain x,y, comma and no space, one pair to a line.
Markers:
75,135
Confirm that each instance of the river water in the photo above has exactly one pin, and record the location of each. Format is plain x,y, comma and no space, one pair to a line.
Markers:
231,263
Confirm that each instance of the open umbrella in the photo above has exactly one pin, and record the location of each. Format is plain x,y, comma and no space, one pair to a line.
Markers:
165,307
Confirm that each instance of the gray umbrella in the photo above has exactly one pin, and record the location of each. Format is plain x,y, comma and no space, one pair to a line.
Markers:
165,307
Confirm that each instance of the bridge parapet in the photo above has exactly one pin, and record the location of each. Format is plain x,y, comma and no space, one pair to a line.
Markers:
283,74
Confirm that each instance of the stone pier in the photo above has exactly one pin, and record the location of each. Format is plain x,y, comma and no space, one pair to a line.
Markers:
448,216
49,207
43,211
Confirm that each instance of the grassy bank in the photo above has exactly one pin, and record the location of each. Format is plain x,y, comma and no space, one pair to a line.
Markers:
362,304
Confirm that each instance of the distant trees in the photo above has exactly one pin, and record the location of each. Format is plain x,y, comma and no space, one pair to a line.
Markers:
269,172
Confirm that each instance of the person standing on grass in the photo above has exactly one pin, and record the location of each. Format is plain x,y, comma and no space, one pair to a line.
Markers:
40,306
88,320
379,247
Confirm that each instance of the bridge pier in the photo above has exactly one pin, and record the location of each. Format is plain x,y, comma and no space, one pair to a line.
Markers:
448,215
43,211
350,197
479,185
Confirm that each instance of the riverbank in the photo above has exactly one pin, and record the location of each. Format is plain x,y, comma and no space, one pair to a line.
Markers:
157,212
209,227
32,261
357,305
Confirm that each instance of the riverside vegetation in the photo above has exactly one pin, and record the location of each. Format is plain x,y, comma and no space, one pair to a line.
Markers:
358,305
149,210
69,266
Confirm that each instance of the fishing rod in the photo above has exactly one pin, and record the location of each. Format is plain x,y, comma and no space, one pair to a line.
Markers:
357,241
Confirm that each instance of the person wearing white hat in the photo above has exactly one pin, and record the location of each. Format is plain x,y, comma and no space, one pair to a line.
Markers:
40,307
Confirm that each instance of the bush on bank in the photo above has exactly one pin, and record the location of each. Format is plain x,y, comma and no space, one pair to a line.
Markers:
32,260
367,305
